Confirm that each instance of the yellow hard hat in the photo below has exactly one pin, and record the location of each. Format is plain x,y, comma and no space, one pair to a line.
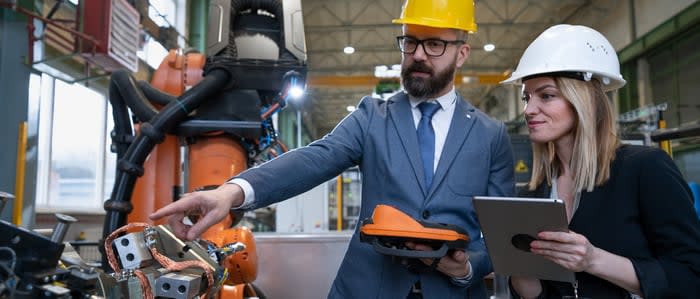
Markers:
457,14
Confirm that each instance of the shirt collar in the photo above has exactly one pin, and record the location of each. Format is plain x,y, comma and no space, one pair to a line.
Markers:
446,101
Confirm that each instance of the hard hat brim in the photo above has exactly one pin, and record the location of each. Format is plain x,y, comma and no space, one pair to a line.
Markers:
421,22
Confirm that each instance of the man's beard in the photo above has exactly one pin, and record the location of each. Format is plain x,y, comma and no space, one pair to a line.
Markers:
426,87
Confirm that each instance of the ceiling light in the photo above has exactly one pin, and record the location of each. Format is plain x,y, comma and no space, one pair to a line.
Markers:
383,71
296,92
470,79
489,47
348,50
350,108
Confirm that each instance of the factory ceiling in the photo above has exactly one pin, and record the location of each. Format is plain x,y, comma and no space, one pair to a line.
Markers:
337,80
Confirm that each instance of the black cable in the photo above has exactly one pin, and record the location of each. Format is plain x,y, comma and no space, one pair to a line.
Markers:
13,257
119,204
127,90
11,277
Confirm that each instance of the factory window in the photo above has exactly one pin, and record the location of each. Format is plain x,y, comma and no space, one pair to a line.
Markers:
674,68
165,14
72,146
162,12
110,160
152,52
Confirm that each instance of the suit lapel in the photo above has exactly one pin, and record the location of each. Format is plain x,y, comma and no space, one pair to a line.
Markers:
402,117
460,127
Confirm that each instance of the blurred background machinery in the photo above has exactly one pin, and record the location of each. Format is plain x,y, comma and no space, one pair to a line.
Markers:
58,59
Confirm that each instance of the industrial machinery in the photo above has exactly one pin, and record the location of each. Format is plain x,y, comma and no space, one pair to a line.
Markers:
148,263
389,229
154,263
34,265
202,119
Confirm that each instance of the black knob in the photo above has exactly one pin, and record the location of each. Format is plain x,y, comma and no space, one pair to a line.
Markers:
4,198
59,232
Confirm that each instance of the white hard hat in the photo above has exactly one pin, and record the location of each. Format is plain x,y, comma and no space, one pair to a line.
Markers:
570,49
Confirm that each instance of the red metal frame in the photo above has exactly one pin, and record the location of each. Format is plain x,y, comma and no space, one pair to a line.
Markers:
54,26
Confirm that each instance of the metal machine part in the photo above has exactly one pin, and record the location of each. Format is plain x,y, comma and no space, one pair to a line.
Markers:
295,41
4,198
158,264
221,104
31,269
61,228
219,20
55,291
290,18
133,252
179,250
25,244
170,267
178,286
257,42
230,249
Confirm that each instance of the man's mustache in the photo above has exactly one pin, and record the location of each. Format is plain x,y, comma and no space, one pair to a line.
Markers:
420,67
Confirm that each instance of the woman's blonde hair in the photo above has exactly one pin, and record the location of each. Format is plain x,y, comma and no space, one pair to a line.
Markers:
595,138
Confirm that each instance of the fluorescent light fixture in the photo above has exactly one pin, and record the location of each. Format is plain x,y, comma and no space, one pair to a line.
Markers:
383,71
489,47
470,79
348,50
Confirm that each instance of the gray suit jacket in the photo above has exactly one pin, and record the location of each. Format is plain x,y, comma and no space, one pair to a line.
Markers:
380,137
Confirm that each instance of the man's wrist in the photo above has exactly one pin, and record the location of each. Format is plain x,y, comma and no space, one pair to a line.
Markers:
234,193
466,279
245,196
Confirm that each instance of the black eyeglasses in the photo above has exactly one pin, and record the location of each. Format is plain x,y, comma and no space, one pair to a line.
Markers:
432,47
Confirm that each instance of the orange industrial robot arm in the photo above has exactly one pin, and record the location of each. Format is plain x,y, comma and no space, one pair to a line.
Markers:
212,159
203,119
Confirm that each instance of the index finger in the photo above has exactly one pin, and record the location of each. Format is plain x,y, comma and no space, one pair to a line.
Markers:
203,224
561,237
181,206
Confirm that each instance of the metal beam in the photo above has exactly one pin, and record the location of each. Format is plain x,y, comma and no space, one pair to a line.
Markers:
395,49
345,81
365,27
671,27
359,68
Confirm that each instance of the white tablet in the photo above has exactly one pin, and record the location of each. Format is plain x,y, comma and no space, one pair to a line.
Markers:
509,224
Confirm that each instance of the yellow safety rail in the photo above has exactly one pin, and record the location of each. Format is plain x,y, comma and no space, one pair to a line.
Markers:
19,174
339,203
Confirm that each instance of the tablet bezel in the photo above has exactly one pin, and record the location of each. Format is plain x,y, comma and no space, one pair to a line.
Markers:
501,218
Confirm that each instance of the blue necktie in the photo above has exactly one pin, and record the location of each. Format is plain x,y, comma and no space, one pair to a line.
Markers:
426,139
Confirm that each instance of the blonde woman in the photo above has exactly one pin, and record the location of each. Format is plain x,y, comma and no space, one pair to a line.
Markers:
633,231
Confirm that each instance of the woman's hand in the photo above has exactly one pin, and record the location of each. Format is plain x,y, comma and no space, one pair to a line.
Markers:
570,250
574,252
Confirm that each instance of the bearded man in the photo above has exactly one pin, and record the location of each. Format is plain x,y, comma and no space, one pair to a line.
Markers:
425,151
